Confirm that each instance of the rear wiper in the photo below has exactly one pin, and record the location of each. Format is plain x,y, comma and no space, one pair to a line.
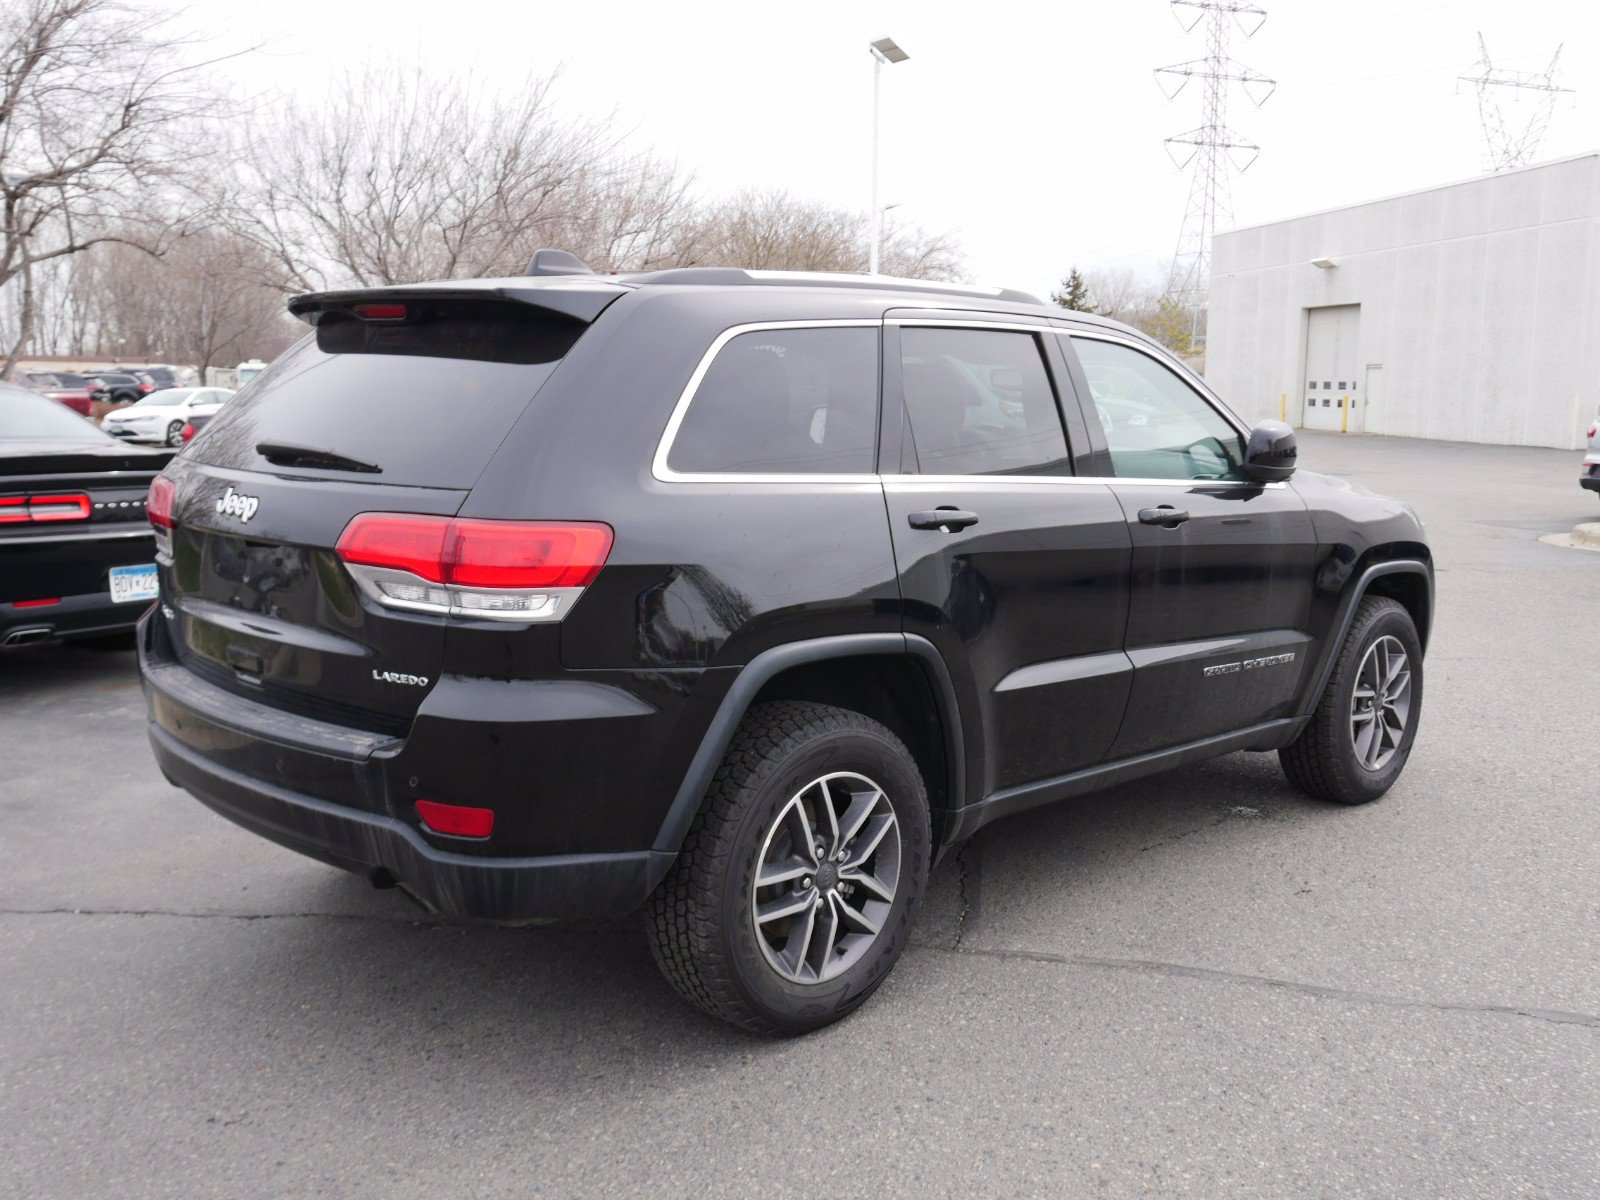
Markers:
284,455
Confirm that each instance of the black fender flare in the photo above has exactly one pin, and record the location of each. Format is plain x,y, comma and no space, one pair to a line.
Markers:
1347,615
767,665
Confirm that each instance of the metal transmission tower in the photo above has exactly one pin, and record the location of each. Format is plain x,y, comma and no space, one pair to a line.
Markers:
1213,149
1508,145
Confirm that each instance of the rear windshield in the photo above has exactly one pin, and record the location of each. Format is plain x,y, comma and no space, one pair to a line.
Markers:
25,414
427,402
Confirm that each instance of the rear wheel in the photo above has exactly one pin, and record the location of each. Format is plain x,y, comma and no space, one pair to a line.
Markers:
1361,734
797,885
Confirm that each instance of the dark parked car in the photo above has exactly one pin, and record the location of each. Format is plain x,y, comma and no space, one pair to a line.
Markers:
159,378
116,388
62,387
77,557
742,597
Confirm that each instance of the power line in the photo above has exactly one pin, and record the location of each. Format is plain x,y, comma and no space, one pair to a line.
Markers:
1509,145
1211,149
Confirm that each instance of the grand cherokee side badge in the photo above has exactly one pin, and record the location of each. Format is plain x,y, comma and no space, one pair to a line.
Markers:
1250,664
237,504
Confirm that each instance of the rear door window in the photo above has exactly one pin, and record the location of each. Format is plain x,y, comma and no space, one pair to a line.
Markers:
784,401
426,401
980,402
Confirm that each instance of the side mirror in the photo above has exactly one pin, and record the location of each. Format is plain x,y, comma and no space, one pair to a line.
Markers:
1271,453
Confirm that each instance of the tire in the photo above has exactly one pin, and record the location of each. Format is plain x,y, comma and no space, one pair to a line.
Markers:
702,923
1342,756
175,433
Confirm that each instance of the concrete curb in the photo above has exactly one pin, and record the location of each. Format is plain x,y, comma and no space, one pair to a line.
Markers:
1582,537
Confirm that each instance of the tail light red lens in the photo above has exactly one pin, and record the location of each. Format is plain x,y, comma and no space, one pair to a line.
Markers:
457,820
397,541
72,506
480,554
158,504
188,432
516,554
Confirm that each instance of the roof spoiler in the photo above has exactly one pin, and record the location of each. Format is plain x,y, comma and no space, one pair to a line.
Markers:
585,300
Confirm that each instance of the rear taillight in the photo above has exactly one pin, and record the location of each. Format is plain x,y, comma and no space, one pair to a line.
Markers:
17,510
158,507
1594,429
188,432
158,504
504,570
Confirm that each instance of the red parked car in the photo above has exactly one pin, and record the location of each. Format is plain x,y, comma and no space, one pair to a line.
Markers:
65,387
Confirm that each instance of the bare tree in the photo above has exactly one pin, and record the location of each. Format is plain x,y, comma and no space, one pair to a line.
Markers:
404,175
1120,293
774,230
96,113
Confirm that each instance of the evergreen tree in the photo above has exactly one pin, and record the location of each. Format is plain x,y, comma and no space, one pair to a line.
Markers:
1074,293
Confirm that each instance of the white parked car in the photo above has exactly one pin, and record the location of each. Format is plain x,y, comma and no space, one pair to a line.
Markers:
161,416
1590,476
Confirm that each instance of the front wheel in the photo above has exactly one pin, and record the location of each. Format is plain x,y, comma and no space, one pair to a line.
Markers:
175,433
797,885
1361,734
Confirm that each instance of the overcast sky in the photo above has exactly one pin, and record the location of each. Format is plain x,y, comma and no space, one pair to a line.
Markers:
1033,131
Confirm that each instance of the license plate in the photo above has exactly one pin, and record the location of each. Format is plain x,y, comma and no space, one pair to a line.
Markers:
130,584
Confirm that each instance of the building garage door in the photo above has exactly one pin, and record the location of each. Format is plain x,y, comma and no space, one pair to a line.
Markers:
1333,337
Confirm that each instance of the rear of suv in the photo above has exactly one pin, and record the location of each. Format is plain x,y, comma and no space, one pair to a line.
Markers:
740,598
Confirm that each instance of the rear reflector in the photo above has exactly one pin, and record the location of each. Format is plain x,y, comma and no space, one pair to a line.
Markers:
158,504
36,603
502,570
455,819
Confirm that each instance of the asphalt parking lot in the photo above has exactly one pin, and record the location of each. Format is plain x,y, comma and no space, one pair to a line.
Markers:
1198,985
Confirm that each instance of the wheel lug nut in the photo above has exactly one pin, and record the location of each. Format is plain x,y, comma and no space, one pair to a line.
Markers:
805,883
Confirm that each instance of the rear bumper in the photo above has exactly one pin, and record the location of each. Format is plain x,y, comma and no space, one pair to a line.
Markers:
1590,478
492,889
325,791
72,571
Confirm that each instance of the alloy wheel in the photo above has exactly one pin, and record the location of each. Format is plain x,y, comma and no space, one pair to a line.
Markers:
1380,706
826,877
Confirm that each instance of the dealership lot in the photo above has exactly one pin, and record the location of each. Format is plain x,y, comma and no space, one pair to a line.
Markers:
1197,985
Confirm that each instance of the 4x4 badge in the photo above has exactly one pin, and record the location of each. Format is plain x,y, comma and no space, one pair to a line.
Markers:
237,504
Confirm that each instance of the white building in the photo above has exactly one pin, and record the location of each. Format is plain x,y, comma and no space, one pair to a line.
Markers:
1468,312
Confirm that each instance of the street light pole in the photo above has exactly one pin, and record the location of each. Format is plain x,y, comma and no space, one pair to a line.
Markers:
883,50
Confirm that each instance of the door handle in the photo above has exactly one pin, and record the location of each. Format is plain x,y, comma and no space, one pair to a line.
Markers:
945,520
1165,515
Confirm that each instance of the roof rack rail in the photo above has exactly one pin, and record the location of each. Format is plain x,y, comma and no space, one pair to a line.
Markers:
738,276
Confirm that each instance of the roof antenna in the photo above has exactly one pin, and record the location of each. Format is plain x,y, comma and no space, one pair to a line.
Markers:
556,262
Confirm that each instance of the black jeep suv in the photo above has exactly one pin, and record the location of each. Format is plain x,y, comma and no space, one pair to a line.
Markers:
741,597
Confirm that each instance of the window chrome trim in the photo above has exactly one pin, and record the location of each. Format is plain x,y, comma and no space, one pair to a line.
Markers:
665,474
976,321
1074,481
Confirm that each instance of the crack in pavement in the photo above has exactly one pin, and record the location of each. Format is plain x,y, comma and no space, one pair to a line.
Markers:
968,886
969,902
211,916
1206,974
